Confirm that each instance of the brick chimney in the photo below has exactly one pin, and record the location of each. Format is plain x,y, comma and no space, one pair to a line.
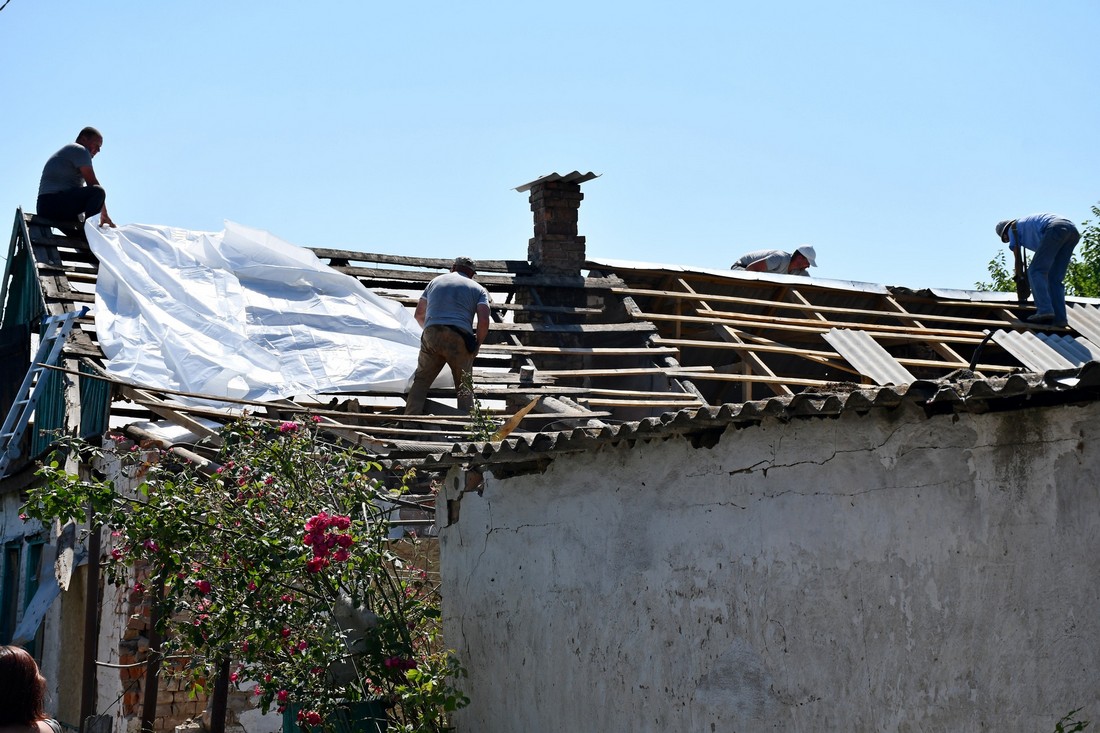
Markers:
556,248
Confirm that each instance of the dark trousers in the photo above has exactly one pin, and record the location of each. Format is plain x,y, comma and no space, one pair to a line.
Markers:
66,205
441,346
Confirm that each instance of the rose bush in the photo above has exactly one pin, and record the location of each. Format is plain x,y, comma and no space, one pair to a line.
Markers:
280,562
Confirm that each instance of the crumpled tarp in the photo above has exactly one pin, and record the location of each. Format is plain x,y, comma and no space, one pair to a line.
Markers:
241,313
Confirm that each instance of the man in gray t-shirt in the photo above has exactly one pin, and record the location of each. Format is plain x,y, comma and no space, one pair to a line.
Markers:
446,310
778,261
69,186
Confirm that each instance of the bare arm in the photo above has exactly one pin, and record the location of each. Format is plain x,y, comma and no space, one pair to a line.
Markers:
758,266
482,323
89,177
421,311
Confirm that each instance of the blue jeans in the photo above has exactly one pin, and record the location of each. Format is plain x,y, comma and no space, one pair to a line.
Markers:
1047,272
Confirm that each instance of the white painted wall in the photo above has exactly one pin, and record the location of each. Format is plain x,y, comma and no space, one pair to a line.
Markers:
888,572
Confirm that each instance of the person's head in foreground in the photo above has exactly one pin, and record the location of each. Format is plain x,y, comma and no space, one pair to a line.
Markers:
22,689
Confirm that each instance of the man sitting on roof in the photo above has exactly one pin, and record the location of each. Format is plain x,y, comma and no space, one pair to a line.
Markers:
62,193
774,260
446,311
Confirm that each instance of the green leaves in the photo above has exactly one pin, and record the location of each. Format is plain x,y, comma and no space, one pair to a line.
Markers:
280,562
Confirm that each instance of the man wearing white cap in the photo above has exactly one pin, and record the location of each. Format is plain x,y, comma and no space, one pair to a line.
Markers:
778,261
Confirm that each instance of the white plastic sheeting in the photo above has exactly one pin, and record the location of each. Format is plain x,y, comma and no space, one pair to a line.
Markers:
241,313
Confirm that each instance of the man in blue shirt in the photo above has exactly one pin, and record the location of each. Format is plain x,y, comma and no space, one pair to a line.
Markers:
1052,239
69,186
446,311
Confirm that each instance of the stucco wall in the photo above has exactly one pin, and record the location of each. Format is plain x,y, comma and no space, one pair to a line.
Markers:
885,572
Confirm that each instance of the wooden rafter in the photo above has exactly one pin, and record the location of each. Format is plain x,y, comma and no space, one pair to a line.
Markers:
750,359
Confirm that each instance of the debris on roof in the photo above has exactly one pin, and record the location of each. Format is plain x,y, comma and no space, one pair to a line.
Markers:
619,350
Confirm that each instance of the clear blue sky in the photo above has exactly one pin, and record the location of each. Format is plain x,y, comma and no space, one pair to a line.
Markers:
890,135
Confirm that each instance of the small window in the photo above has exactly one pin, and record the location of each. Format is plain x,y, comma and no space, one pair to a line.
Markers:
9,591
34,577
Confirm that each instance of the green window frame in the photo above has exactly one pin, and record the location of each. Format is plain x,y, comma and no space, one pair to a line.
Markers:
33,580
9,589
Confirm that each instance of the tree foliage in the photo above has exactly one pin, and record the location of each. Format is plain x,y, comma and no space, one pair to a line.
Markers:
1082,278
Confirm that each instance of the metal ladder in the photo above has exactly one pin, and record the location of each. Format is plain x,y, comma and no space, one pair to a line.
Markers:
49,349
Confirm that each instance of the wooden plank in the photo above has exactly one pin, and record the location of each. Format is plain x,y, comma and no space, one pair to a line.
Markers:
743,346
578,328
767,303
171,413
942,349
720,377
682,396
374,277
633,311
552,309
750,359
685,371
899,335
925,333
678,404
578,350
438,263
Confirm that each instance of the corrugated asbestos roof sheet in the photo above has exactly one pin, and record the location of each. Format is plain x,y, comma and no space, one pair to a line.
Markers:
1085,319
868,357
1041,351
704,425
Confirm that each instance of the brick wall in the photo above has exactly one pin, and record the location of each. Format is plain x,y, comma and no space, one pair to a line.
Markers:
556,248
175,703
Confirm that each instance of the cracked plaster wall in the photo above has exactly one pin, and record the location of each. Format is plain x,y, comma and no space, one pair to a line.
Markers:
866,573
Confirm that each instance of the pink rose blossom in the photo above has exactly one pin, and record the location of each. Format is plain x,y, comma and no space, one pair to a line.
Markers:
203,586
288,427
282,695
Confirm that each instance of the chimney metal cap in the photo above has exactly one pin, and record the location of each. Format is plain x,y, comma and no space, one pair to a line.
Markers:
574,177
